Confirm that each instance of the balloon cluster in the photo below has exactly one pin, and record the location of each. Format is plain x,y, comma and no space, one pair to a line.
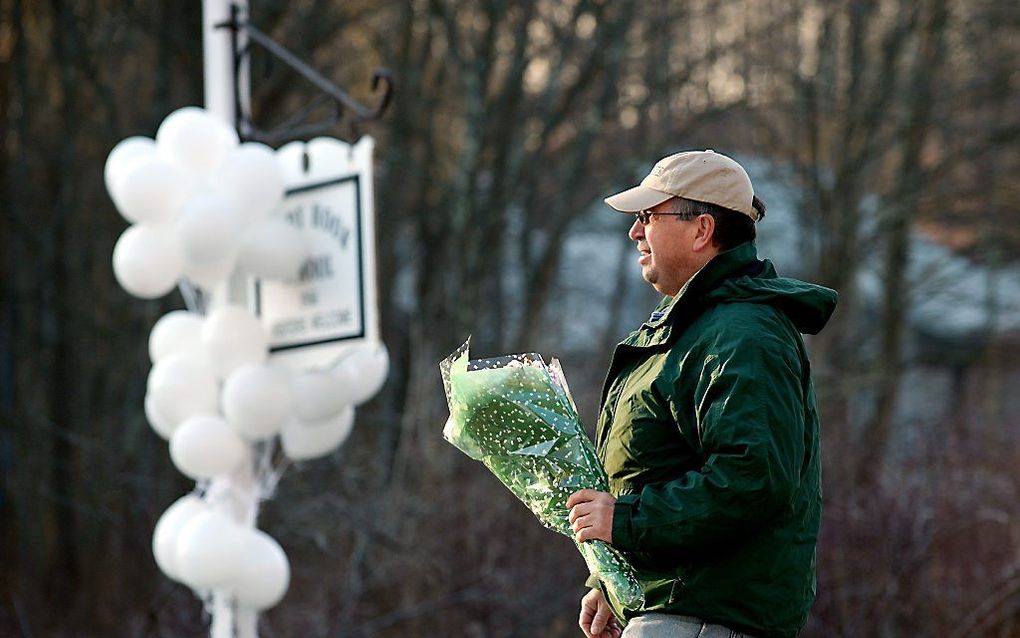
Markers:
212,394
200,204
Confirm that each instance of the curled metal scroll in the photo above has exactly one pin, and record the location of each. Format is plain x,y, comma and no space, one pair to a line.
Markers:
345,108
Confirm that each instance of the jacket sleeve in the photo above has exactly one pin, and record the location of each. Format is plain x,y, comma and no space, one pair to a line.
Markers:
748,409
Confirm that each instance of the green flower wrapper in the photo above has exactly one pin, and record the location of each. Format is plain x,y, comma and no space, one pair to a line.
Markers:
515,415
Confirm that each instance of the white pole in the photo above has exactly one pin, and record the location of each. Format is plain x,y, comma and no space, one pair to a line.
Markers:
219,58
219,94
234,495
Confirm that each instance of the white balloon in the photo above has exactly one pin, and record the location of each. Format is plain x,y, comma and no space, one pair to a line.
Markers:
205,446
264,574
182,367
152,190
311,439
252,175
173,403
181,386
257,401
234,338
319,395
160,424
121,159
147,261
208,550
208,228
273,249
210,276
196,139
178,331
168,527
364,370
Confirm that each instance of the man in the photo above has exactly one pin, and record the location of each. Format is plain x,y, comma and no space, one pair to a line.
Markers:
708,429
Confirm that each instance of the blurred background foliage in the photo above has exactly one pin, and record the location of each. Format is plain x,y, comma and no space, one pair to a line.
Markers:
892,126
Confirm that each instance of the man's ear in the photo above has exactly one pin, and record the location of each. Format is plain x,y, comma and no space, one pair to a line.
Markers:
703,236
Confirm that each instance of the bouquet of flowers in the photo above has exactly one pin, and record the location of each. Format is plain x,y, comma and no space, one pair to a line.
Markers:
515,414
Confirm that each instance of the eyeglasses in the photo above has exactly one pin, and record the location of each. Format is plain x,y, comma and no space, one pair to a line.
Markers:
645,216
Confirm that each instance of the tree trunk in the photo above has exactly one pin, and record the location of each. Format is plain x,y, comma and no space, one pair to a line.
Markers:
927,64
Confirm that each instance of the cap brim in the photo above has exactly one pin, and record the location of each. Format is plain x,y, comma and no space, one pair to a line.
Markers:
637,199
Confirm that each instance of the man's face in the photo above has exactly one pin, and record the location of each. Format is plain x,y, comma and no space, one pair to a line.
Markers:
669,247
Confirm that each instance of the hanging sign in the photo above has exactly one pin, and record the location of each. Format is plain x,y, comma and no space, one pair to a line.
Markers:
311,321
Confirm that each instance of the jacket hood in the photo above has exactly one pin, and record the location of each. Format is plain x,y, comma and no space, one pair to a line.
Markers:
807,305
737,275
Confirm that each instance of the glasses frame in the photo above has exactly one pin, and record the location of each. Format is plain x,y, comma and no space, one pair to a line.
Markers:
645,216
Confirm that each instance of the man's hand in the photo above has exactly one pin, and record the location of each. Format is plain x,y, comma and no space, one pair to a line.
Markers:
597,620
591,515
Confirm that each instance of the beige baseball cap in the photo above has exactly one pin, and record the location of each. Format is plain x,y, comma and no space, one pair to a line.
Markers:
704,176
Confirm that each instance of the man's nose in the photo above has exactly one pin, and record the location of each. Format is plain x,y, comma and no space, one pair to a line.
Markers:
637,230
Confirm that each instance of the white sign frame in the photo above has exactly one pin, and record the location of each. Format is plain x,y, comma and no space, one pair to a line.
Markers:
324,167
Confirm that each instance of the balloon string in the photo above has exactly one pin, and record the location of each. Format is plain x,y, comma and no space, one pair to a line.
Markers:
193,298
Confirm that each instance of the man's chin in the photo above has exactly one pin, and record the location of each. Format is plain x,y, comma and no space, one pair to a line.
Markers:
649,275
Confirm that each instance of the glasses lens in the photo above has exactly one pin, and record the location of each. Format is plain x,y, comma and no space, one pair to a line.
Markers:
643,217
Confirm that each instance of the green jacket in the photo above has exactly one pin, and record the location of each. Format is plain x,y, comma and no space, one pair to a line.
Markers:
709,434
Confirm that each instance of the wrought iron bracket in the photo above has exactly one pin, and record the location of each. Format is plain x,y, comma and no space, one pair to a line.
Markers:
298,124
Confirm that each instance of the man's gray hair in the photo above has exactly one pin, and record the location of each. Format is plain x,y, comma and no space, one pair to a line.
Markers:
732,228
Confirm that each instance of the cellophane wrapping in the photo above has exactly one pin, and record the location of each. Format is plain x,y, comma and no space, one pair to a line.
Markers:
515,415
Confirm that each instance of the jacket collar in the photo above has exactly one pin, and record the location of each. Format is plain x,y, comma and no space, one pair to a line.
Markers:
688,302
